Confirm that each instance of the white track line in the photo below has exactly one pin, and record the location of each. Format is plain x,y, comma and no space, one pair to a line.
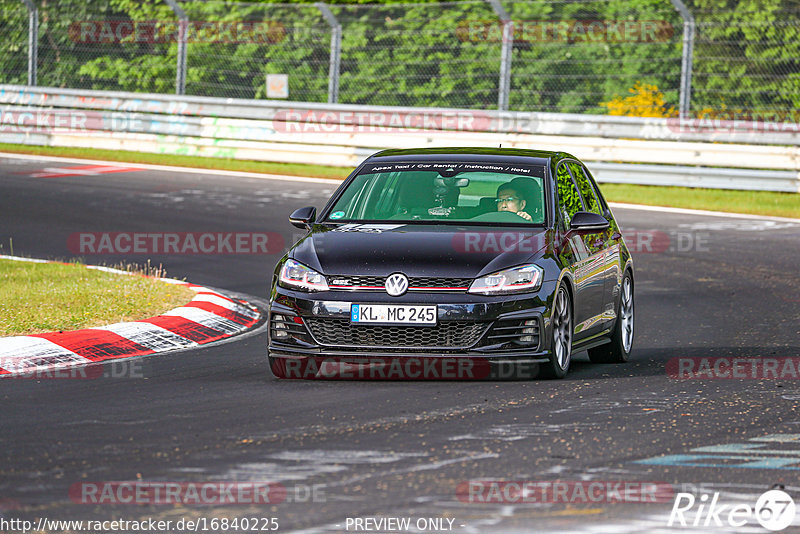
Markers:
170,168
685,211
192,170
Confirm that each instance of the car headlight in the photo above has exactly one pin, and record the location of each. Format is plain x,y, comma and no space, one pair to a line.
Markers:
295,275
516,280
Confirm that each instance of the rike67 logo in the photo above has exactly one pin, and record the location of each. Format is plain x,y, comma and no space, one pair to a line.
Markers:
774,511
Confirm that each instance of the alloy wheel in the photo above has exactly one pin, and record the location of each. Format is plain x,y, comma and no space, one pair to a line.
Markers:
626,312
562,329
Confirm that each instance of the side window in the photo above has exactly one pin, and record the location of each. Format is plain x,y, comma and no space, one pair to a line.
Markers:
596,188
569,200
351,198
587,191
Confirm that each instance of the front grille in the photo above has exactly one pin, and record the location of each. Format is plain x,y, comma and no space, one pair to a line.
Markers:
428,282
521,332
348,281
414,282
445,335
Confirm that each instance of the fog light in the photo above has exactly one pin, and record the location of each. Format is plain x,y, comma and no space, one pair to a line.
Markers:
531,327
279,328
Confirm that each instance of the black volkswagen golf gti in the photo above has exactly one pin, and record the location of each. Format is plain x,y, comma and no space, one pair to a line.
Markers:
506,257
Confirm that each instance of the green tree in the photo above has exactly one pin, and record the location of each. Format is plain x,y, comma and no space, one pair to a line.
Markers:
747,56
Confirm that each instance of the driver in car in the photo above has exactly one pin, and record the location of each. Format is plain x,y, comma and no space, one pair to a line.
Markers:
509,199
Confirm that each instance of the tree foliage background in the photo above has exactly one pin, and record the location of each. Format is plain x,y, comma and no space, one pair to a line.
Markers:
746,58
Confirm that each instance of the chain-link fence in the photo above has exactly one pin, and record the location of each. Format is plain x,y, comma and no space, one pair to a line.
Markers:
13,43
574,56
412,55
593,56
242,43
747,61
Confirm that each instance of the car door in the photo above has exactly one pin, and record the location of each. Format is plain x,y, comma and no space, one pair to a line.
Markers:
601,243
614,251
587,258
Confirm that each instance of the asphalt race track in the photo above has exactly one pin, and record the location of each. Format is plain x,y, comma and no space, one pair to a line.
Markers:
715,287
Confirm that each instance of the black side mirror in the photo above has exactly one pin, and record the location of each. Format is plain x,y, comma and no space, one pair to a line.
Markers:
585,222
303,217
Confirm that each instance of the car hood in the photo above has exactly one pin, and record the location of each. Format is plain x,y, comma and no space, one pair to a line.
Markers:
417,249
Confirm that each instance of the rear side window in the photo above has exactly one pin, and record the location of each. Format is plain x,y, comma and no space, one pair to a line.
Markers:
587,191
569,199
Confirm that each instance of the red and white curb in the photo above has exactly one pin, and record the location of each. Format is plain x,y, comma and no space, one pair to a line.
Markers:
81,170
209,316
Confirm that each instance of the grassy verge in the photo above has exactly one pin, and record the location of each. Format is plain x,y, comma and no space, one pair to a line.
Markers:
290,169
755,202
46,297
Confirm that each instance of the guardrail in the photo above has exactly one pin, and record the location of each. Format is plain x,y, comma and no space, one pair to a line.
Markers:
343,135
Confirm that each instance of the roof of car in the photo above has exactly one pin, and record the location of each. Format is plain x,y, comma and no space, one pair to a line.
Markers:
470,154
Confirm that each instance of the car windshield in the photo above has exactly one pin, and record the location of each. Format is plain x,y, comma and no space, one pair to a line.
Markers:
444,192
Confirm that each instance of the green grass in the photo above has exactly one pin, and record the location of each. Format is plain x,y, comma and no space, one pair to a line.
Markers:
755,202
46,297
290,169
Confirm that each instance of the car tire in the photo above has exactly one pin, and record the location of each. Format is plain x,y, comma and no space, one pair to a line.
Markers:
562,331
619,350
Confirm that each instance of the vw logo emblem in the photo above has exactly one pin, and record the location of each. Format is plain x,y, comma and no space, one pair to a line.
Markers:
396,284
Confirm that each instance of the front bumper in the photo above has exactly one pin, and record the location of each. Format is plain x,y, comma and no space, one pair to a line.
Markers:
497,328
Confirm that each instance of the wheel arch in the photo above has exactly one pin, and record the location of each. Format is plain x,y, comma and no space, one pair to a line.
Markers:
566,279
628,268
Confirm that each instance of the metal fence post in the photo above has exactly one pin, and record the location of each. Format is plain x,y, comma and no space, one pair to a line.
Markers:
33,40
504,86
686,59
183,23
336,52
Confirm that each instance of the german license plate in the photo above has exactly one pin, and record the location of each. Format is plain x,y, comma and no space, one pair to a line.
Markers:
392,314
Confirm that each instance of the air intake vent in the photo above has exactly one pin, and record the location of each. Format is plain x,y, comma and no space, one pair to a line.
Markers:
445,335
521,332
